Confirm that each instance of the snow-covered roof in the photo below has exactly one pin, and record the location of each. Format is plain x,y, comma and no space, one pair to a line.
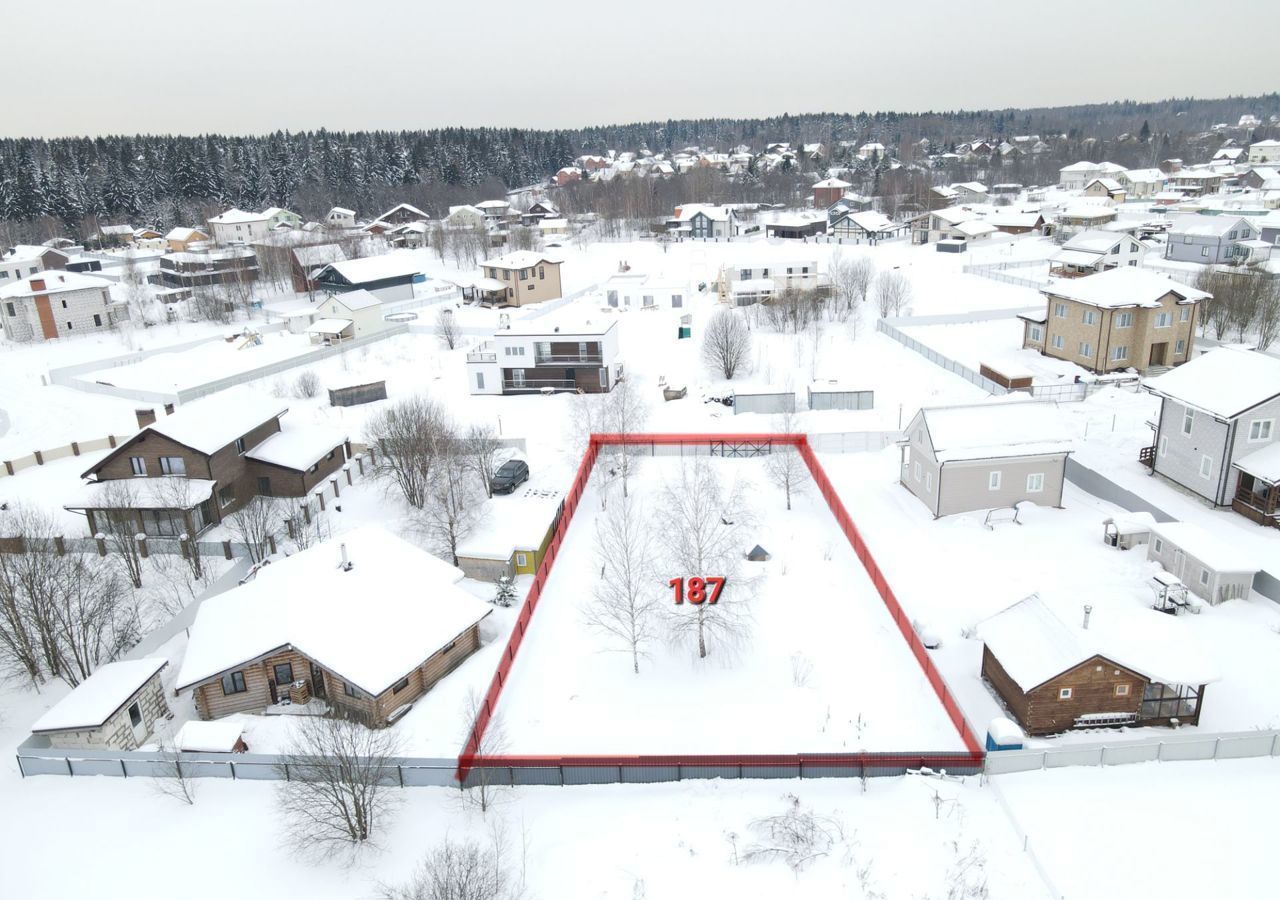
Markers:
212,422
1207,226
973,187
1035,640
298,447
1224,382
975,228
832,183
1264,463
1094,240
994,430
341,211
871,221
1009,219
1088,211
143,493
181,233
1131,522
23,252
377,268
1219,553
316,255
218,736
711,211
1145,176
329,326
565,321
1076,257
520,259
53,282
99,696
235,216
1108,184
492,204
370,625
752,285
406,207
946,192
356,300
1123,286
509,524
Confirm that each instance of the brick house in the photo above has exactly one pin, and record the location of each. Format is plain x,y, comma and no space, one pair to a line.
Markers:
1102,667
364,622
57,304
185,472
115,708
1118,319
527,277
829,191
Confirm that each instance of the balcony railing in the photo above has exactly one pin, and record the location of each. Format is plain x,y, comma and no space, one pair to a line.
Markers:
1261,508
536,385
1147,456
568,359
483,353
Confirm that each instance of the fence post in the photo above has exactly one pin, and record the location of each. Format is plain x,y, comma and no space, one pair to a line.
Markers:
124,773
360,463
142,546
59,545
271,542
233,769
70,771
1217,742
347,469
400,771
226,549
1160,752
334,481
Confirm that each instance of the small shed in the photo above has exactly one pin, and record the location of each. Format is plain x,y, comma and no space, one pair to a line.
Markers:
1210,566
220,736
764,401
1007,373
758,554
833,394
512,536
358,394
952,245
1127,530
114,708
1004,734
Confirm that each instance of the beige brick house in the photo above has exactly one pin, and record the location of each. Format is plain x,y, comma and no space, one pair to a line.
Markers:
526,277
1118,319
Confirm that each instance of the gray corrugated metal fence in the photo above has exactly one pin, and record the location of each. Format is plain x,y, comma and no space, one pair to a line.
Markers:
1173,748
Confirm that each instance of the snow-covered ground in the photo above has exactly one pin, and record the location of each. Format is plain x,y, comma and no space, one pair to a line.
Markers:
823,665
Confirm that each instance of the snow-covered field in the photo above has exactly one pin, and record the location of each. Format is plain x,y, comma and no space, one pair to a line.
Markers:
823,668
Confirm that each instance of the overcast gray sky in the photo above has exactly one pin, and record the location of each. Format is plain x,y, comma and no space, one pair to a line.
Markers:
235,66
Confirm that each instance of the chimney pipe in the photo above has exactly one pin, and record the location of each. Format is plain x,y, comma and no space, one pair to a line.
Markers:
1087,609
145,417
346,562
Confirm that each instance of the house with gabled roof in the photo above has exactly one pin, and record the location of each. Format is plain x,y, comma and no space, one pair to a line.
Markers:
57,304
985,456
340,217
390,276
236,226
180,238
526,277
1106,189
185,472
346,316
365,623
1093,251
1058,665
402,214
1209,240
1218,432
1121,318
867,225
828,191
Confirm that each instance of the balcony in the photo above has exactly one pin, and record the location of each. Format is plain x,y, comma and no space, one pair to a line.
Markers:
483,354
568,359
1147,456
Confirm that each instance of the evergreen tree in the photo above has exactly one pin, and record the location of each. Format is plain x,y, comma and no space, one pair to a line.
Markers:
504,591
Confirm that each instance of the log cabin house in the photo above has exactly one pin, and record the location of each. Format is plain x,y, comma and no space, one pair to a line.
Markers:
187,471
1109,667
364,623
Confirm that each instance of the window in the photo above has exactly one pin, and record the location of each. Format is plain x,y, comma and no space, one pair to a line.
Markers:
1133,262
1231,236
350,690
764,273
522,560
1184,314
744,274
233,683
1122,690
1037,333
70,326
1180,348
1124,320
1188,419
1060,310
1260,429
135,715
542,273
1057,342
517,378
604,378
1119,353
226,496
993,481
173,465
916,471
9,309
400,685
677,301
1090,317
928,482
315,468
1204,251
1035,482
283,673
1159,545
97,320
1206,466
1064,693
1086,349
64,304
1164,319
1204,576
138,465
1164,444
479,381
240,445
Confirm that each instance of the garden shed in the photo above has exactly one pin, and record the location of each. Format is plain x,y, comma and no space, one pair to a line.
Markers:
833,394
1125,531
764,400
1212,567
114,708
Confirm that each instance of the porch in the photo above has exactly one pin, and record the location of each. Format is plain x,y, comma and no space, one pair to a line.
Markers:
1257,500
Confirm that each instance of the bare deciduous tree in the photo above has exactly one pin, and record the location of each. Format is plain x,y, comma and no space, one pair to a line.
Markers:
700,532
336,792
173,778
481,444
306,385
797,837
257,524
625,608
1267,322
459,871
625,412
893,292
483,786
784,465
119,525
588,417
410,435
453,503
726,345
446,327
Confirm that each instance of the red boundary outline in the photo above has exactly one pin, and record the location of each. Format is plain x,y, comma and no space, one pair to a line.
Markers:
971,756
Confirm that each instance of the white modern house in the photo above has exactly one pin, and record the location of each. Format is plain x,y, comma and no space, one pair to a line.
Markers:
748,281
547,355
340,217
236,226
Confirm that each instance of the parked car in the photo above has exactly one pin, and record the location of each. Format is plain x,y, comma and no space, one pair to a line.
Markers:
510,475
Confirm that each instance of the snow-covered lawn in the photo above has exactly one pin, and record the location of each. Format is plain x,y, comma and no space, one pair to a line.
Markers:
824,668
993,342
952,572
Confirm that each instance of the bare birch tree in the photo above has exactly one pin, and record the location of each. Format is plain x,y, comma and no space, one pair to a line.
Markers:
784,466
453,503
893,292
335,793
257,524
446,327
589,416
625,412
410,436
174,779
726,345
119,525
483,785
481,444
625,608
459,871
700,533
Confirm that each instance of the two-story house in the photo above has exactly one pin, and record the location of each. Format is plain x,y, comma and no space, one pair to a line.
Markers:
1142,183
1090,252
1263,152
1210,240
236,226
187,471
340,217
57,304
541,356
1218,432
705,220
26,259
746,282
526,277
1118,319
829,191
202,268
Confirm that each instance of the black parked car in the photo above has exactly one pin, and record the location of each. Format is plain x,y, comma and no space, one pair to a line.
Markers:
509,476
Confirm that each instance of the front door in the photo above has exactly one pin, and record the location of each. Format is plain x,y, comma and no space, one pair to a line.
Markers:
1158,353
136,723
264,487
317,681
45,314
